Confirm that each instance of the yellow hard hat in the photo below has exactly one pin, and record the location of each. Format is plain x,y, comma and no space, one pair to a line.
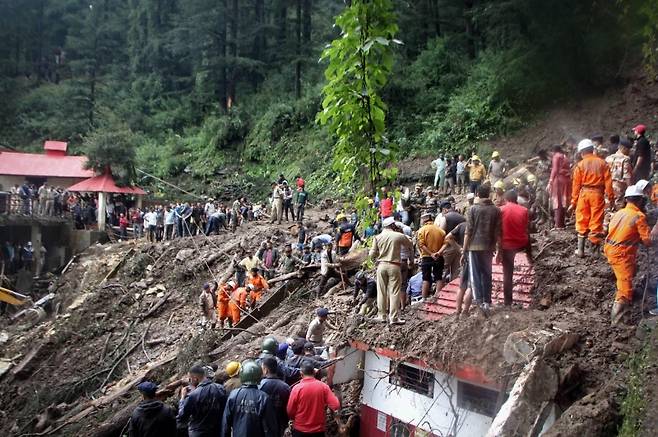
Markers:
500,185
475,158
370,201
233,368
495,154
340,216
531,178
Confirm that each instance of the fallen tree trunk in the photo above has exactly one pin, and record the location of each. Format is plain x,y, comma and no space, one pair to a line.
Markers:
295,275
83,411
117,423
118,265
157,306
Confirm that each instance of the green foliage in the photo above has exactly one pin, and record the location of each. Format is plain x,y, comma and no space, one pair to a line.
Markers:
112,146
50,112
169,68
634,406
360,62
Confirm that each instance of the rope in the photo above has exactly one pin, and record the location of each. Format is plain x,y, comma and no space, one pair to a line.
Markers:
170,184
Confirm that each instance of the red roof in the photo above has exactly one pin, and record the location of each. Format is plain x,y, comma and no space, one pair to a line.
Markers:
58,146
104,183
34,164
522,280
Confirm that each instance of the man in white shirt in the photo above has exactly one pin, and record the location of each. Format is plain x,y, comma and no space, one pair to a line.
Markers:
440,175
150,223
209,209
461,174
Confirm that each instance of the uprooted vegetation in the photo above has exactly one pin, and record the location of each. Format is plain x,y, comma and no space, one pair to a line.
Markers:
75,374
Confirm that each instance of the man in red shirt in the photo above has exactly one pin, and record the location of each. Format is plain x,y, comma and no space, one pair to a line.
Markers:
514,238
385,204
307,403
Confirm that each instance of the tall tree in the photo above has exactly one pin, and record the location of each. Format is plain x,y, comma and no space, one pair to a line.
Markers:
360,62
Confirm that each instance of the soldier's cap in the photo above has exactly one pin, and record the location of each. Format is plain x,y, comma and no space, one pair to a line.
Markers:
147,387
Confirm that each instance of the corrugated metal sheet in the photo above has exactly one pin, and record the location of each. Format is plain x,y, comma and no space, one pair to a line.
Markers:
524,279
33,164
57,146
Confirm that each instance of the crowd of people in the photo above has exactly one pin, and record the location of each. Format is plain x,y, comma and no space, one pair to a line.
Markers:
419,242
183,219
259,397
50,201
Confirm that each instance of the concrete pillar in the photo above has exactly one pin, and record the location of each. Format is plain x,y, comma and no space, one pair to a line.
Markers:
36,246
102,210
139,201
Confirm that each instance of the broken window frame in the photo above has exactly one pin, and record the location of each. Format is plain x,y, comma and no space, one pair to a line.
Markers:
412,378
476,398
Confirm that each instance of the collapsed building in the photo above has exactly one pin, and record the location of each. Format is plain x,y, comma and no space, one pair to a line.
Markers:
127,311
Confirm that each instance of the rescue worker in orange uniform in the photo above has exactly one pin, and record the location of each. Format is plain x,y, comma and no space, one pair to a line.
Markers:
591,183
223,299
628,228
238,301
259,286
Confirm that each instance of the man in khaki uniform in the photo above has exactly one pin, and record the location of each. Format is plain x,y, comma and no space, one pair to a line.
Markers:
386,249
621,171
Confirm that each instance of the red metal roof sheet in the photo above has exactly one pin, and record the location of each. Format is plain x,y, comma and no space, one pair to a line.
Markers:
104,183
523,280
59,146
33,164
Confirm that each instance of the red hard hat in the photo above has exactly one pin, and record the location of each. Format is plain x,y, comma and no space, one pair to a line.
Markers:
640,129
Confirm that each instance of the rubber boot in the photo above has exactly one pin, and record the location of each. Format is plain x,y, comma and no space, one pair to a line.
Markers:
595,250
619,311
580,252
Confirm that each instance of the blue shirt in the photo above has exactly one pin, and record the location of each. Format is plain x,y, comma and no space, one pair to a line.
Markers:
414,288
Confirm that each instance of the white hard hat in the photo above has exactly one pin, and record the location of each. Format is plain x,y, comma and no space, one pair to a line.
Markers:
231,284
388,221
642,184
470,196
633,191
585,144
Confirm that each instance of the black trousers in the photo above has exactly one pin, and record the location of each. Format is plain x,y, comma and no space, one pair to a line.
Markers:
287,206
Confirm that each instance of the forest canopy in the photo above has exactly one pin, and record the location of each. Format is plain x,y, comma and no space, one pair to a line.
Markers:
206,86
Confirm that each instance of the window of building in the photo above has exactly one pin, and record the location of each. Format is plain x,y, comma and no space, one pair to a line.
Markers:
412,378
478,399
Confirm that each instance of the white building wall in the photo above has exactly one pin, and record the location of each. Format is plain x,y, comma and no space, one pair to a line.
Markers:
350,367
430,414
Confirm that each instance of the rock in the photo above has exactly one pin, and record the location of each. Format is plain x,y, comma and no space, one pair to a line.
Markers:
156,289
184,255
4,337
160,295
5,365
545,302
528,401
140,284
522,346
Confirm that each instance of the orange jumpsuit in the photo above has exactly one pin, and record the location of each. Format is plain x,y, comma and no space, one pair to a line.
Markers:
260,285
591,181
628,228
238,300
223,298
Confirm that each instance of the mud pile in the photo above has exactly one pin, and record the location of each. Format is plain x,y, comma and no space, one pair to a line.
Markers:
128,312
